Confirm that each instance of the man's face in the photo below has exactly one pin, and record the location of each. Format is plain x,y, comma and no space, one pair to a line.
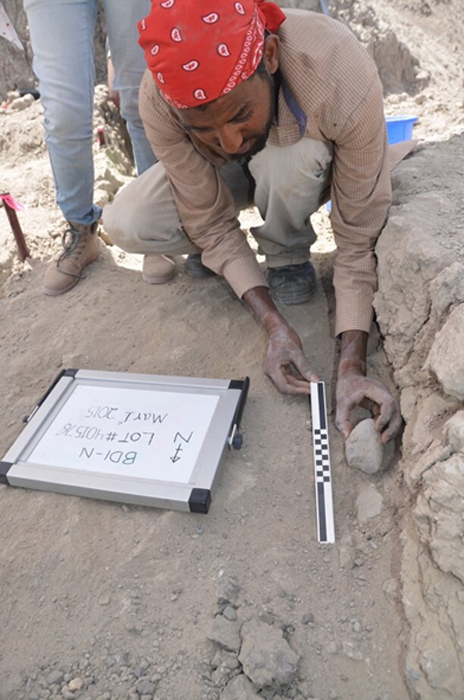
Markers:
237,123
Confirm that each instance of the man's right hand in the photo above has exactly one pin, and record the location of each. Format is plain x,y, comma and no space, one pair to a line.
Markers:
285,362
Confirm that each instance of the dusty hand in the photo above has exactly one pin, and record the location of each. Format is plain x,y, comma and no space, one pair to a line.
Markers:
286,363
354,389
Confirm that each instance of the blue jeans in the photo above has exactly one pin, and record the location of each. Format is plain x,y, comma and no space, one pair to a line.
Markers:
62,34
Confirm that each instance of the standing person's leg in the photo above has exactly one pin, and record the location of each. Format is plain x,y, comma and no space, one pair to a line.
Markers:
291,183
129,66
62,40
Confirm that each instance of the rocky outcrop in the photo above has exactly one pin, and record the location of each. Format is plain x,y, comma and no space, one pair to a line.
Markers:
16,65
420,310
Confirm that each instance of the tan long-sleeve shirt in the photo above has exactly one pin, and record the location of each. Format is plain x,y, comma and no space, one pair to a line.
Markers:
336,85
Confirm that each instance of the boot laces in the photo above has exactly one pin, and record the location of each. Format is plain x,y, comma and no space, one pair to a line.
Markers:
72,240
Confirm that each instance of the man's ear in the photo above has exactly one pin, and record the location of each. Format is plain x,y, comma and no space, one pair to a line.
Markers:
271,53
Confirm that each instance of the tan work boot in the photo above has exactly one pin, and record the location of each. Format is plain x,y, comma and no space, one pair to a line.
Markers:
158,269
81,247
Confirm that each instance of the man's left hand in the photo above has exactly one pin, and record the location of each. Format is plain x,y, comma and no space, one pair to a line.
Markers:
354,389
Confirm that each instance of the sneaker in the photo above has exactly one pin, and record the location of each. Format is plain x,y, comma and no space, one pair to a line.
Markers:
81,247
158,269
292,284
195,268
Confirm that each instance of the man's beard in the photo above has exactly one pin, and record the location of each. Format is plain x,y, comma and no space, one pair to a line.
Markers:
262,140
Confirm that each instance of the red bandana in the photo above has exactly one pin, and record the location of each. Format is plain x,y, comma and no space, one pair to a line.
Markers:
198,51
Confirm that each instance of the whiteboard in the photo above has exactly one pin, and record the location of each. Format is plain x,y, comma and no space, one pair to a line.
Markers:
133,438
148,434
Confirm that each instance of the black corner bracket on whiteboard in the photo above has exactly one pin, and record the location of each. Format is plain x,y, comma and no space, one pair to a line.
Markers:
4,469
200,501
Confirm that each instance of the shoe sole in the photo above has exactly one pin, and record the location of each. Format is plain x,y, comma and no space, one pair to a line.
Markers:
52,293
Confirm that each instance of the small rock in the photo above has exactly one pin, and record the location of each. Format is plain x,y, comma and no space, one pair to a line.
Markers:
265,655
230,613
21,103
225,659
369,504
104,600
227,589
123,659
307,619
67,694
145,687
239,688
75,684
225,634
55,677
364,449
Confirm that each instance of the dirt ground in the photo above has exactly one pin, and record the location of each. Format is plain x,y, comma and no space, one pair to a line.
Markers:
110,602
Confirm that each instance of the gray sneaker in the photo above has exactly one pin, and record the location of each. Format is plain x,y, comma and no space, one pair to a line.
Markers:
292,284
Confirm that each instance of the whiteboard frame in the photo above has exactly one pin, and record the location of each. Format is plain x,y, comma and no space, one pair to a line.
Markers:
194,496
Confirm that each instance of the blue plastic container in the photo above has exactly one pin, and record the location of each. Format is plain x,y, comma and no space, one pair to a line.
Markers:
399,128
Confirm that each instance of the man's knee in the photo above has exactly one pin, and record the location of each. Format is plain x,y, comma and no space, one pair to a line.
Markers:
115,225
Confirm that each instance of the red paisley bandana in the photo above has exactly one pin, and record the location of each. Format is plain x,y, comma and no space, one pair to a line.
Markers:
199,51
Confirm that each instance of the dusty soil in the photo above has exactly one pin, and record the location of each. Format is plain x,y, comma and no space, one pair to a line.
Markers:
99,597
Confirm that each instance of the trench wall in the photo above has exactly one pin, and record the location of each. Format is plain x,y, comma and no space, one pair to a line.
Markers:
420,310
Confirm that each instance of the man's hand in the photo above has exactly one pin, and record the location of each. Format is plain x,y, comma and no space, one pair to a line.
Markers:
285,361
355,389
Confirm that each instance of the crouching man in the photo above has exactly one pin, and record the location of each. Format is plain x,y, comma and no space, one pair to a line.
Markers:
245,104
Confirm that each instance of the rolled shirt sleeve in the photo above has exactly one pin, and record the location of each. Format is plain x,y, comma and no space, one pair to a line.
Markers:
361,197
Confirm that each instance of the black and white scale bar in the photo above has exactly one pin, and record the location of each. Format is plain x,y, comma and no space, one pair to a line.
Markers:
323,476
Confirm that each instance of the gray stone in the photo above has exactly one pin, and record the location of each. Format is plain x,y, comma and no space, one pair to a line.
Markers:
225,634
227,589
369,503
307,619
239,688
225,659
453,432
364,449
266,657
230,613
145,687
446,357
447,288
439,514
55,677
